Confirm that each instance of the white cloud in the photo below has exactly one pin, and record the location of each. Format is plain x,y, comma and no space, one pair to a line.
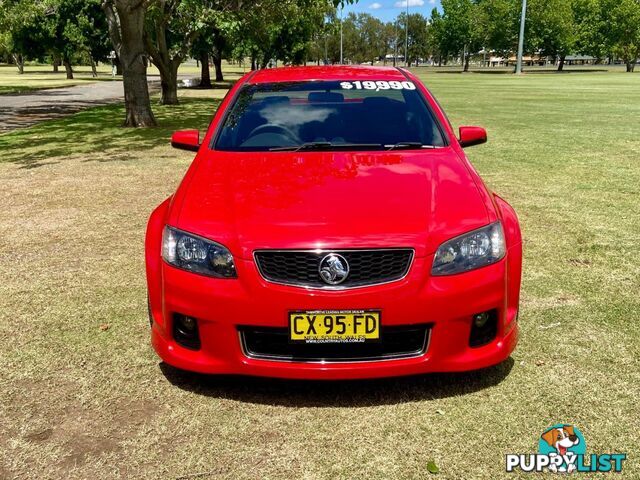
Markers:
375,6
412,3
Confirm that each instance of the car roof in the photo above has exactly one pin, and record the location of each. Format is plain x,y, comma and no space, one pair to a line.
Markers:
329,72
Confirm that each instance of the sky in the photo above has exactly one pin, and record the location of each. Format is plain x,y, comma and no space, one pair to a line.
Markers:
387,10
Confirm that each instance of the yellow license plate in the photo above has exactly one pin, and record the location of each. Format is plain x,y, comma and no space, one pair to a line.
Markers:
334,326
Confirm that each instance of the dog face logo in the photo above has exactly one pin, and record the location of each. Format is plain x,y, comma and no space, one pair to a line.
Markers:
563,440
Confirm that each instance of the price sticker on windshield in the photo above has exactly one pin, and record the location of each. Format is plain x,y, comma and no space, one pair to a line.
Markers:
378,85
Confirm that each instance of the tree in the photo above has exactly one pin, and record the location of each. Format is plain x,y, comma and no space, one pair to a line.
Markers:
501,20
551,28
591,28
625,30
371,37
201,50
212,43
73,27
126,19
389,39
438,38
94,33
418,37
279,30
170,30
220,46
462,28
24,35
331,33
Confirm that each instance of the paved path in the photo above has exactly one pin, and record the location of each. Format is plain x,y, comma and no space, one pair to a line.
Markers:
28,108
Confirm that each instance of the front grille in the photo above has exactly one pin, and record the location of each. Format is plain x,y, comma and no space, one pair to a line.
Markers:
395,342
366,267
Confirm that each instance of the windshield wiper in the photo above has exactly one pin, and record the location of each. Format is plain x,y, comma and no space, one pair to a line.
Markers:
407,145
326,146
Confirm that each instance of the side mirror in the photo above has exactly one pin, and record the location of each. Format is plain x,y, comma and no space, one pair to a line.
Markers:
186,140
470,136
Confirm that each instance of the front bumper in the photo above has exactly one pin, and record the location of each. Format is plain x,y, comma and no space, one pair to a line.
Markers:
223,306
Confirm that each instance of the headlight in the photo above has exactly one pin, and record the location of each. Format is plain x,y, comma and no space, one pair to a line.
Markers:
196,254
469,251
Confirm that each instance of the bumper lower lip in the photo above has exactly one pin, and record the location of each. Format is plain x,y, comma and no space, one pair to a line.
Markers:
486,356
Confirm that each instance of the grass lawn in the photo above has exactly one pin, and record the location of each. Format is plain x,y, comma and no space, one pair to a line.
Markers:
82,394
39,77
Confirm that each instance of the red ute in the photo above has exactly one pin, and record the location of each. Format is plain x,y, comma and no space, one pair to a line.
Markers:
331,227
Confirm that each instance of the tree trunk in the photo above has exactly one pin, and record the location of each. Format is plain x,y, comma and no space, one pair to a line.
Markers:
169,82
254,66
136,96
56,62
94,70
630,66
217,63
561,63
169,95
205,77
19,59
67,67
467,56
126,32
118,66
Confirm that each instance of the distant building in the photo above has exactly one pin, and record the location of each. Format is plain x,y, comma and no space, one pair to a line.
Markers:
530,60
579,60
389,57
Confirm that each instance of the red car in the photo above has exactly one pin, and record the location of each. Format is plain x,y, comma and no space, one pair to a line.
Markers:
331,227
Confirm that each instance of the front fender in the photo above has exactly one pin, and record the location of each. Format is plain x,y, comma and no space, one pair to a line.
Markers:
153,258
513,240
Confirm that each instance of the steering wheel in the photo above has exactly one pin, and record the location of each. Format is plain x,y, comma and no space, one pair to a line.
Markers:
272,127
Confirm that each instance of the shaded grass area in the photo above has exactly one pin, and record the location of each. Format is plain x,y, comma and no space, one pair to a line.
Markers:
98,130
82,395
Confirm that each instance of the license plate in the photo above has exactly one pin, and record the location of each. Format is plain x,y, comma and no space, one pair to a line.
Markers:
334,326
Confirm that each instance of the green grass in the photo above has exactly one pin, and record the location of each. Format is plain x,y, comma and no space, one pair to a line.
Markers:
79,401
40,77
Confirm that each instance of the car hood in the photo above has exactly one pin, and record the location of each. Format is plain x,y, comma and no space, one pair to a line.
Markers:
330,200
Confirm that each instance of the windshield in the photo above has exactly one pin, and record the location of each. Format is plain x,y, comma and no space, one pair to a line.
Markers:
336,115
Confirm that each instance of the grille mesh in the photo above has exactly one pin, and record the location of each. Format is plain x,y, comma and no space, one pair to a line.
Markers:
395,342
366,267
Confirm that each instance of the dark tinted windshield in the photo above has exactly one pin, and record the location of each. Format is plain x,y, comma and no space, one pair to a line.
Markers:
329,115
